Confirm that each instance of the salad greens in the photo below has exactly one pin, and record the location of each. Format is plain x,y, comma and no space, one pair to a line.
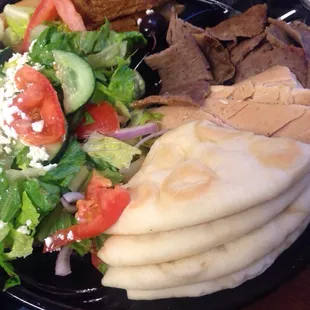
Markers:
85,69
110,150
70,164
95,44
17,18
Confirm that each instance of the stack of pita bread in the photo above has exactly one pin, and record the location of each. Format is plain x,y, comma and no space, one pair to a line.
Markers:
211,208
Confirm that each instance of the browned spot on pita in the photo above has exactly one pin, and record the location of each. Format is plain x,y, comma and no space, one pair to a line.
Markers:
164,156
188,180
141,194
206,132
280,155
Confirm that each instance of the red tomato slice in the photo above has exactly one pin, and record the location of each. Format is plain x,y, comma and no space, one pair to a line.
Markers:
95,214
69,15
105,120
45,11
39,101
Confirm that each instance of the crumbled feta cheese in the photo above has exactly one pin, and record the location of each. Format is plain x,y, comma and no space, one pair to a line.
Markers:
28,222
2,224
149,12
48,241
23,230
7,149
38,126
37,155
4,140
8,114
139,21
70,235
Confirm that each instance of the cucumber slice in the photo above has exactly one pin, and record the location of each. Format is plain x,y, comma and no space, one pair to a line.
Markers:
77,79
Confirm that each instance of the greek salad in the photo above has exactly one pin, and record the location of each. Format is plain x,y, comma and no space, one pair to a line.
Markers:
68,133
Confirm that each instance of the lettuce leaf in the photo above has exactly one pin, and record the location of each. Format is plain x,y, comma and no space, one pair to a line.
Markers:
108,57
8,268
21,159
28,213
59,218
110,150
17,18
43,195
10,203
68,166
85,44
126,85
20,245
4,230
140,117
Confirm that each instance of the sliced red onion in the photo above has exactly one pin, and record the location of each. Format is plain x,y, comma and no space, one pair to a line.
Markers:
149,137
134,132
62,267
70,208
71,197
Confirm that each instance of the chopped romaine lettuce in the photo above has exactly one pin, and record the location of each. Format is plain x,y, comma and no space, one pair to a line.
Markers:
68,166
20,245
140,117
114,176
10,202
43,195
21,159
82,247
126,85
17,18
28,215
4,230
110,150
106,169
83,43
14,175
8,268
108,57
59,218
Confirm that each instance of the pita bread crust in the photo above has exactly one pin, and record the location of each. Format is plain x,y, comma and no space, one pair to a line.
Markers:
200,172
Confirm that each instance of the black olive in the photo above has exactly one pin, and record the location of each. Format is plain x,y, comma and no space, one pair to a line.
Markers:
152,25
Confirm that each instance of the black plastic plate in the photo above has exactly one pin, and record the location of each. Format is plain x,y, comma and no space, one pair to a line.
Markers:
41,289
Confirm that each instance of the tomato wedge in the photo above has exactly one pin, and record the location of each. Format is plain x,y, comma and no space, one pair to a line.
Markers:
45,11
69,15
39,102
105,120
101,209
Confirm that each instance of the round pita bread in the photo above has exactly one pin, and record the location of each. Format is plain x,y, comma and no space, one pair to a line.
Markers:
217,262
226,282
200,172
147,249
